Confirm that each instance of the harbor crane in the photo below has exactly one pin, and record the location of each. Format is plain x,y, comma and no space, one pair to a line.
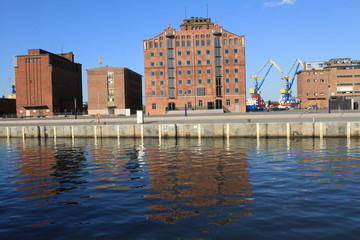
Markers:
255,102
287,101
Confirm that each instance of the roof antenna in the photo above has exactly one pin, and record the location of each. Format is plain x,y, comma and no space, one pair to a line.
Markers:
185,12
207,11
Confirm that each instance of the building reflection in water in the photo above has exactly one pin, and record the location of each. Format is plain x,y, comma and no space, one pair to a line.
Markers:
191,179
46,169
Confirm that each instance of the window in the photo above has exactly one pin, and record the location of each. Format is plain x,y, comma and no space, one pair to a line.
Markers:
153,106
178,43
179,53
161,73
227,70
162,82
152,64
228,102
153,73
153,93
188,81
236,41
207,52
156,44
236,50
200,103
189,104
208,61
208,71
200,91
227,80
199,81
236,70
180,92
150,45
199,52
226,51
199,62
188,62
161,54
153,83
189,92
202,42
161,63
188,53
230,41
179,62
197,43
236,80
208,81
321,80
236,90
180,72
152,54
162,93
227,61
236,60
189,43
183,43
237,100
180,82
199,71
188,72
208,42
227,90
225,42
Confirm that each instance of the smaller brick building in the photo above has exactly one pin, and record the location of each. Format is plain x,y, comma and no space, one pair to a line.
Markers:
112,90
338,78
7,107
47,83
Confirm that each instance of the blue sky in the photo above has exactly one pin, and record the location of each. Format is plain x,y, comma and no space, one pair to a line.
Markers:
280,30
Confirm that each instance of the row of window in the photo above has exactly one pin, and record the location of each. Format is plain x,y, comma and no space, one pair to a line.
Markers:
315,94
200,103
315,80
315,73
347,84
199,72
32,59
199,81
344,76
198,52
188,62
189,92
188,43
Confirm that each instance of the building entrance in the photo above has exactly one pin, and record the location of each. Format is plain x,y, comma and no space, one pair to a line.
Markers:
171,106
218,104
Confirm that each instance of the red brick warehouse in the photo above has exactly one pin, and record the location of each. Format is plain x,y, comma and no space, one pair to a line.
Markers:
201,66
47,83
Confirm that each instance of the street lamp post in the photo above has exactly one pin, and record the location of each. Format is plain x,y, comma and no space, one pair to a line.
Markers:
329,107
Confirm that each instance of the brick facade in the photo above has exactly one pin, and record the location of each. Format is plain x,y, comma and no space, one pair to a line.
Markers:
111,90
201,66
321,80
47,83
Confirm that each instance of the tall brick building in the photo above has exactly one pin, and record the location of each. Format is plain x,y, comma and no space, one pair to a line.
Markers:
47,83
112,90
338,77
201,66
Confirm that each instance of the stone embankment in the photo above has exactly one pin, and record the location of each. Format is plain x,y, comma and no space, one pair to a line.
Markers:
188,130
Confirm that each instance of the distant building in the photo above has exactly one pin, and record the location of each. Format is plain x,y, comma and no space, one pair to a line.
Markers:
201,66
7,107
112,90
338,78
47,83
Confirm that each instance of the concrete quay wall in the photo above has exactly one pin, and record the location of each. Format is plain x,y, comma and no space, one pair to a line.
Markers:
188,130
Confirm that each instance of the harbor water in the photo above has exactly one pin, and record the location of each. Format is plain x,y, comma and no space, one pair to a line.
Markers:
189,188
